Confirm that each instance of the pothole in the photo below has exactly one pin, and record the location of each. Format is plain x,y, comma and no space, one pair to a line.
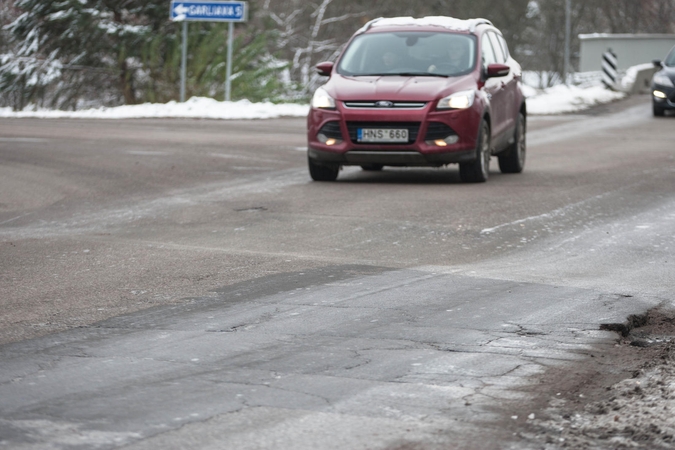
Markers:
624,329
623,396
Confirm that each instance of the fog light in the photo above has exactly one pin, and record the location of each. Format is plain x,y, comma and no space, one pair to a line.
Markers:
327,140
453,139
661,95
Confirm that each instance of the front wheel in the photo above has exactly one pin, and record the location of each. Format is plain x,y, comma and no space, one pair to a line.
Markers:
478,171
658,111
513,159
322,172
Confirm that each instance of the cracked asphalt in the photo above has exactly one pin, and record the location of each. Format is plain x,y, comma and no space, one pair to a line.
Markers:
182,284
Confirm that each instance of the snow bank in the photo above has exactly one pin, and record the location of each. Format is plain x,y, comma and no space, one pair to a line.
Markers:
566,99
554,100
196,107
628,81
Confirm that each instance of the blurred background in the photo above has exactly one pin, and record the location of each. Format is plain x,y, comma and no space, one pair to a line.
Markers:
76,54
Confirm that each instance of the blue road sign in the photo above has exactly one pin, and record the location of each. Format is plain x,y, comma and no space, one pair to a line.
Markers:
209,11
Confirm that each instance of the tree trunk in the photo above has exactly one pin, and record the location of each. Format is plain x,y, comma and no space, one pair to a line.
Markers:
126,84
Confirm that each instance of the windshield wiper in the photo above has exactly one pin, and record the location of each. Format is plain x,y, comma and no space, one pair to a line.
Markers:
421,74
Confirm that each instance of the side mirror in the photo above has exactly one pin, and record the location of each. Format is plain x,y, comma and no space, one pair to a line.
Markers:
657,63
325,68
498,70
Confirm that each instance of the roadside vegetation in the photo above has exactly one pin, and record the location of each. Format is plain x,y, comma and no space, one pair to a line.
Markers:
73,54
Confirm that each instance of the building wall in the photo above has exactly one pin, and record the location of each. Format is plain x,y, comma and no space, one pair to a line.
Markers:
631,49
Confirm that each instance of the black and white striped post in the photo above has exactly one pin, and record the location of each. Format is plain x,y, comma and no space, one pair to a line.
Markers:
610,74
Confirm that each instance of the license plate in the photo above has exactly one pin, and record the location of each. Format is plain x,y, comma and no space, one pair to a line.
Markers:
382,135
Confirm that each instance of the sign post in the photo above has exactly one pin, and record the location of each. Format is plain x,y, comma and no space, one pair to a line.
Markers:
228,73
183,63
208,11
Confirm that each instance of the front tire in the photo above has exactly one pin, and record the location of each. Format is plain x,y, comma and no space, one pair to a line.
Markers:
478,171
322,171
513,159
658,111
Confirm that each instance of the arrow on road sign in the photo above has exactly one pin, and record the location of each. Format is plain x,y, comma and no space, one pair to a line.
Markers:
181,12
209,11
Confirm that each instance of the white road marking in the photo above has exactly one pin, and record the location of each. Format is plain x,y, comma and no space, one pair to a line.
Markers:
96,220
15,218
23,139
555,213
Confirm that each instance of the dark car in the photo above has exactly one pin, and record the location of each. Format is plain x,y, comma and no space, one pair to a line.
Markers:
419,92
663,85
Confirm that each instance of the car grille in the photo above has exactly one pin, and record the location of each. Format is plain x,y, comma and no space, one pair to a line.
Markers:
413,129
437,130
331,130
384,105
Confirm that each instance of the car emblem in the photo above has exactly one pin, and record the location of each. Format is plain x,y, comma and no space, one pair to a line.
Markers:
384,104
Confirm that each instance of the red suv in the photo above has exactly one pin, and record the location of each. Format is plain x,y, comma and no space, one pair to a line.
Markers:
419,92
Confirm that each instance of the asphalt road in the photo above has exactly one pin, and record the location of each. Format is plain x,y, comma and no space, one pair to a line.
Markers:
183,283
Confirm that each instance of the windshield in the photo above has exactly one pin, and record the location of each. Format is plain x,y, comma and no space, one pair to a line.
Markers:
409,53
670,59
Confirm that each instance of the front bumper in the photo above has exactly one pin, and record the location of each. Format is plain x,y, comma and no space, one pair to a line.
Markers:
392,157
436,138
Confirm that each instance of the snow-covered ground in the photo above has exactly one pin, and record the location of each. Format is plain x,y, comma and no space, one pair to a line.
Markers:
555,100
196,107
566,99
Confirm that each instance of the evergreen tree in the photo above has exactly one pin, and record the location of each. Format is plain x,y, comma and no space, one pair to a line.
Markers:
123,51
94,43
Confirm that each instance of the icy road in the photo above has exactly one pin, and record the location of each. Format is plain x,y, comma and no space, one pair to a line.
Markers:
170,283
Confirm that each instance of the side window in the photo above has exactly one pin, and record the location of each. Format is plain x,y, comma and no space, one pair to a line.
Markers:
504,46
488,52
499,52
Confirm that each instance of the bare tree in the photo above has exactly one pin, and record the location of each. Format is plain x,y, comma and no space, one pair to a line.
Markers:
637,16
315,31
307,34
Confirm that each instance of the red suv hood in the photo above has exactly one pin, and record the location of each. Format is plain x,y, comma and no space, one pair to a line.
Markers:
395,88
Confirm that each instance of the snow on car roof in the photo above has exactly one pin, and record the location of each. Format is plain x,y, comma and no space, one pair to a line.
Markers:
437,21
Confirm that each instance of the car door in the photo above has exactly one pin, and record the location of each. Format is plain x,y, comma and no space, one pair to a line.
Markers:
510,84
494,89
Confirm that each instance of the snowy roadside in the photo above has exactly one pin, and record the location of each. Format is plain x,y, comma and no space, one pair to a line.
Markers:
568,99
636,412
555,100
195,108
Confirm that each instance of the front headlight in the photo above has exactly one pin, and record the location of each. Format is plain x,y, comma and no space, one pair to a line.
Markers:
458,100
663,80
322,100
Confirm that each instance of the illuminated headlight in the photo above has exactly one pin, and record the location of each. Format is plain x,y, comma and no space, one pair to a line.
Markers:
322,100
458,100
662,80
659,94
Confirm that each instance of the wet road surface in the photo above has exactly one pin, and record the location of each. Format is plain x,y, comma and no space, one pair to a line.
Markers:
183,284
